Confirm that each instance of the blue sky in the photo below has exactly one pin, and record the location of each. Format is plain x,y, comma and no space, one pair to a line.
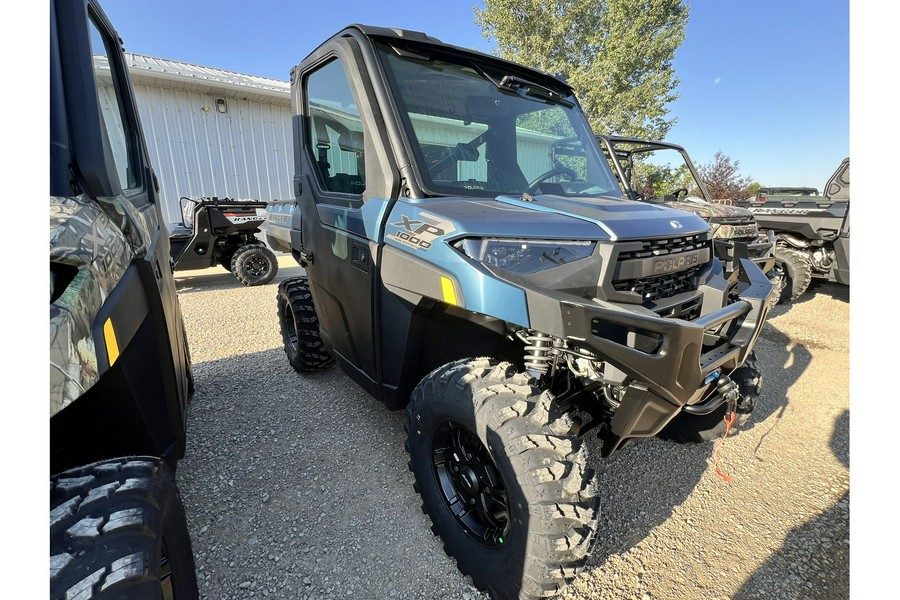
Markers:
764,81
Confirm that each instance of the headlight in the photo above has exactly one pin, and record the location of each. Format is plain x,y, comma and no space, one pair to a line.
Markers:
524,256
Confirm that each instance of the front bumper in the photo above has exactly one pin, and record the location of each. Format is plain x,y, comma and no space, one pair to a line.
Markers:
670,362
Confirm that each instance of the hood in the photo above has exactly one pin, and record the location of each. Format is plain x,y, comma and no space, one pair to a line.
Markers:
714,212
619,219
557,217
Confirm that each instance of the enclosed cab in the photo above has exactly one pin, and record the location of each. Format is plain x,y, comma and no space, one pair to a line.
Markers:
511,299
120,372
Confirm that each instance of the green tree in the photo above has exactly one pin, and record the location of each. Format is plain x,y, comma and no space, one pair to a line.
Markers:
655,181
723,180
616,54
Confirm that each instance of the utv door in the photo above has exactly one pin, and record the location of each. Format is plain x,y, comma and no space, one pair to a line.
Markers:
339,169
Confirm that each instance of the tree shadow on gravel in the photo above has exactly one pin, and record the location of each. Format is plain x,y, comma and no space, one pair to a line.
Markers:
814,561
782,362
642,484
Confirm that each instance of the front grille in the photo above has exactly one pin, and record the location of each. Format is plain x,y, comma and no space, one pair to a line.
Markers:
667,246
688,311
659,286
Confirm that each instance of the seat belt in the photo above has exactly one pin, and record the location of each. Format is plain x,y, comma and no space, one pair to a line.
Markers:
323,144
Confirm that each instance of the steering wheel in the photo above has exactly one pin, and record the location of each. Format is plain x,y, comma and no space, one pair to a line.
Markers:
532,187
679,191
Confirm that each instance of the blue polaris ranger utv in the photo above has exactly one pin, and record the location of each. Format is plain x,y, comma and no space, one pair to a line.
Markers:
508,296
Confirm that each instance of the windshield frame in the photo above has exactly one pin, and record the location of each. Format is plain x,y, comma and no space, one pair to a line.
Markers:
521,91
620,149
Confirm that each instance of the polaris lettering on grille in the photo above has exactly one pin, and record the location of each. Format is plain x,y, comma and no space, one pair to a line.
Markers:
675,263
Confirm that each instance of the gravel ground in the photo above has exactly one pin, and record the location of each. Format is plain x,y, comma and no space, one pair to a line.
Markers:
297,487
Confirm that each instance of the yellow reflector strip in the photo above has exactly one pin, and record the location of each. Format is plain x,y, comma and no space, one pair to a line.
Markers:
449,292
112,346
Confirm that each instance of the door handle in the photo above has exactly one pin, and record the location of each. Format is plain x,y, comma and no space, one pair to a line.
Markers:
360,257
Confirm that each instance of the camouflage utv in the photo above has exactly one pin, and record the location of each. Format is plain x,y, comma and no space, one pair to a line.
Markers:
120,372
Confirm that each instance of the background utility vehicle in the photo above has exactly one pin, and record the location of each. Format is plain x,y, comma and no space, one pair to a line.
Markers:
223,232
812,232
511,303
661,172
120,371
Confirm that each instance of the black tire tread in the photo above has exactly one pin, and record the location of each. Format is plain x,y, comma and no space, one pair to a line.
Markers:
106,520
560,490
242,254
311,354
796,274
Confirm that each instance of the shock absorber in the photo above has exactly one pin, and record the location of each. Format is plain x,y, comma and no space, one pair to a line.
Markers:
538,355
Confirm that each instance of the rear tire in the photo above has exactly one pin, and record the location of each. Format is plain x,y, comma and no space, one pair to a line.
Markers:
300,327
118,531
254,264
532,505
791,274
694,429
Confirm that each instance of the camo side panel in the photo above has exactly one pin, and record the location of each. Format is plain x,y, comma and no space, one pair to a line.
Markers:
708,210
135,223
715,213
83,236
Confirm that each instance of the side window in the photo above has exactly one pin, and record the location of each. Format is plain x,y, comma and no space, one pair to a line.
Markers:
335,130
118,130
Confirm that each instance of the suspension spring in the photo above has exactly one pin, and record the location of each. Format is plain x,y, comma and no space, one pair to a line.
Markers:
537,352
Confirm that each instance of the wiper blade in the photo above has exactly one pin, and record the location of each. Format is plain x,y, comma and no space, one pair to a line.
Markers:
535,90
511,83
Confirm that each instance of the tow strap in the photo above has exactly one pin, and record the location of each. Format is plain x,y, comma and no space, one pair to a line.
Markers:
729,421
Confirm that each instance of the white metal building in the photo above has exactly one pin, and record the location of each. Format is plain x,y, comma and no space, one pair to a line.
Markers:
212,132
218,133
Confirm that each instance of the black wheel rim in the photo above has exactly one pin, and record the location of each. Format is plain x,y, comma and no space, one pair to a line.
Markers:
165,574
470,483
257,266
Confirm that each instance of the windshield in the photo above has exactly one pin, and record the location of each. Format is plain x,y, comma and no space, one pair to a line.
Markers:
478,132
655,172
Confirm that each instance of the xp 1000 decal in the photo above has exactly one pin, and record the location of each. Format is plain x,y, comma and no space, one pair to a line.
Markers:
420,232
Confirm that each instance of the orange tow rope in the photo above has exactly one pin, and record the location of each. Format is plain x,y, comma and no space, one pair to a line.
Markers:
729,420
